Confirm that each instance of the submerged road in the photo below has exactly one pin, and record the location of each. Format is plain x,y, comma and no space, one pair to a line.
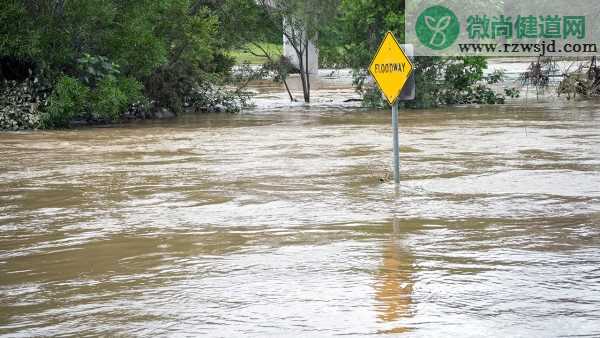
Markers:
275,222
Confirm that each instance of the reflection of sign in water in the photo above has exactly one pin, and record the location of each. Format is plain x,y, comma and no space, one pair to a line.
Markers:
394,286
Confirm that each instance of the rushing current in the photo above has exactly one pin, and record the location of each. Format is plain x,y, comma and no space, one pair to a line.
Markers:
284,222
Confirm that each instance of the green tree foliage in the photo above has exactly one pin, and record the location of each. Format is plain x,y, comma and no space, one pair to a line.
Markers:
67,101
137,35
112,97
105,44
354,36
246,22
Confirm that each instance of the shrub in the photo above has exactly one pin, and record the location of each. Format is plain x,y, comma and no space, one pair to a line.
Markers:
67,101
113,97
132,89
94,69
209,98
167,45
169,86
19,105
106,103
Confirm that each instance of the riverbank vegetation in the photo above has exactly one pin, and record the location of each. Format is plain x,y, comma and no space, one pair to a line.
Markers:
66,63
98,61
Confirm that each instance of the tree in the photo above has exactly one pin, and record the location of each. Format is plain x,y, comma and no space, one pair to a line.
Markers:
258,34
354,35
166,47
300,21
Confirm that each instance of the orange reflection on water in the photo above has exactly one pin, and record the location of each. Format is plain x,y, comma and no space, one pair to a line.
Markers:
394,284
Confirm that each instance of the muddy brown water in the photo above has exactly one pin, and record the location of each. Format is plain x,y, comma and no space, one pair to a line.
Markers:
275,222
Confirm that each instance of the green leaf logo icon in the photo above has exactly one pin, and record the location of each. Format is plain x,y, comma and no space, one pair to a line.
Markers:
437,27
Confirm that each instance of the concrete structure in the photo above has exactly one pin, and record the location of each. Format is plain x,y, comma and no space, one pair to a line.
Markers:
313,56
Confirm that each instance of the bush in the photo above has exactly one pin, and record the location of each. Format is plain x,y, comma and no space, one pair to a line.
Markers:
19,105
169,86
166,45
94,69
113,97
444,81
208,98
71,100
132,89
67,101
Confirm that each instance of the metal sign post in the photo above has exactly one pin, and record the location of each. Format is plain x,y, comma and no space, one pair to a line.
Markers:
392,70
396,143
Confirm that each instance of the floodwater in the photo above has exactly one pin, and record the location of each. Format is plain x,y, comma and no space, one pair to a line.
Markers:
274,222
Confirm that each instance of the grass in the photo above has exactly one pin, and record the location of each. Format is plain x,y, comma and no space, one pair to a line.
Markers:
245,55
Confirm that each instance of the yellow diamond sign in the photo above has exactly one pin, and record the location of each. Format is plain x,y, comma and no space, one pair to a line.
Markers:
390,68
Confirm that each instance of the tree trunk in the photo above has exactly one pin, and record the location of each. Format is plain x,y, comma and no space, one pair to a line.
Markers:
287,88
303,73
307,70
